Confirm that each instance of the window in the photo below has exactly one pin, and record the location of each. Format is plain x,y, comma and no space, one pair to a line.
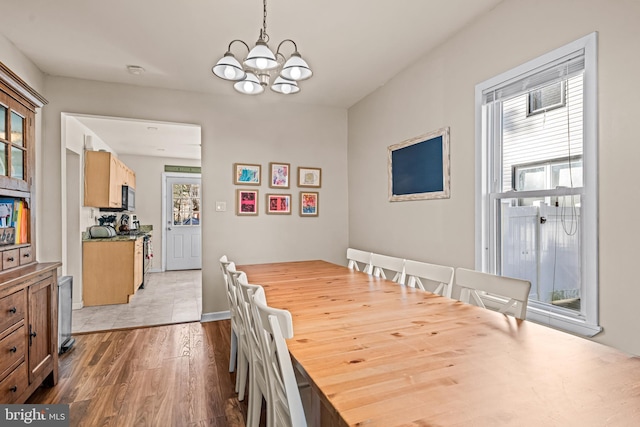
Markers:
186,204
537,169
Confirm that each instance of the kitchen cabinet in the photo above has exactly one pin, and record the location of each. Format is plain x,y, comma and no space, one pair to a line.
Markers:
28,289
112,270
104,176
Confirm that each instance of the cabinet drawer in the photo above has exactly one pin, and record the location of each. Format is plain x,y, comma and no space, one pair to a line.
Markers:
12,309
12,350
25,255
10,258
14,385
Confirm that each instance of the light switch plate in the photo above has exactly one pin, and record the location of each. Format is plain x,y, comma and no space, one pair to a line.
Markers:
221,206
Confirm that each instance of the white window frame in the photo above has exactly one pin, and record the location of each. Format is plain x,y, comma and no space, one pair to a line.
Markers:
585,323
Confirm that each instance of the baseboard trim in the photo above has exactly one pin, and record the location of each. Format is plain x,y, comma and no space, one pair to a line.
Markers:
218,315
77,305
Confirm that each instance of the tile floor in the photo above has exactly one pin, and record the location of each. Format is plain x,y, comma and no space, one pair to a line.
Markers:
170,297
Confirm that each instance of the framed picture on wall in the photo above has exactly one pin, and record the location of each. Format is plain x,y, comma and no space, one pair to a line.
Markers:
279,204
246,174
309,177
418,168
247,202
308,203
279,174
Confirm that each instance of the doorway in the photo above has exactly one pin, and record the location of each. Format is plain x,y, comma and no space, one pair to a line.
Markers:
182,226
146,147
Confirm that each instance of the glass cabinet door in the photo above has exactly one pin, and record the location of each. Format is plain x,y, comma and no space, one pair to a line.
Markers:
12,143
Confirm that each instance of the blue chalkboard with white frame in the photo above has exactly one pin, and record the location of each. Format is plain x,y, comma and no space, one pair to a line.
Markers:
419,167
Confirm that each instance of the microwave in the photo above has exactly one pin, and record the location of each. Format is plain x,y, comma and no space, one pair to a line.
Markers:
128,198
128,201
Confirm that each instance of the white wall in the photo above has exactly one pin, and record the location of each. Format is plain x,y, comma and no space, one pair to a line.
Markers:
234,129
438,91
74,135
149,172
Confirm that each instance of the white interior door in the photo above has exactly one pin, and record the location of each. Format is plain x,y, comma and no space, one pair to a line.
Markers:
183,231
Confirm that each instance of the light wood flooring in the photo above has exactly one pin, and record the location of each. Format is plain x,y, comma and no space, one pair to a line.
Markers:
168,297
172,375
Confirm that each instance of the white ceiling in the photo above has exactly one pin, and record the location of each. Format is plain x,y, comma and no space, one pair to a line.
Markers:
353,46
145,138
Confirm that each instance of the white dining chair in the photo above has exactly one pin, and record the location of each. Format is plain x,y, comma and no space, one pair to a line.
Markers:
233,352
258,382
381,263
356,256
514,291
275,326
242,366
417,272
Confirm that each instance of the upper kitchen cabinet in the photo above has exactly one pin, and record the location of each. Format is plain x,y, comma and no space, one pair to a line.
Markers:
104,176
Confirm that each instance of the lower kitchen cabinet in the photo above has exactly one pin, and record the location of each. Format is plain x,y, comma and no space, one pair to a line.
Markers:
112,271
28,331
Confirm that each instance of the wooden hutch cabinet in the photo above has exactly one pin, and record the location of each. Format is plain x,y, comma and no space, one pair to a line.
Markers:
28,289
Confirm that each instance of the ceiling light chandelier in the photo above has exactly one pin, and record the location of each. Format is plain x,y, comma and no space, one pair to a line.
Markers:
261,64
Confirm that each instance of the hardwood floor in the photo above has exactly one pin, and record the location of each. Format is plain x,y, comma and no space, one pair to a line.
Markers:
173,375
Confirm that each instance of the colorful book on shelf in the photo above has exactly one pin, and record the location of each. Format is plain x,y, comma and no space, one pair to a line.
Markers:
16,220
24,224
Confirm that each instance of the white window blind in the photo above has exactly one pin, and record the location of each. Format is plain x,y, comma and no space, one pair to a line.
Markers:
559,70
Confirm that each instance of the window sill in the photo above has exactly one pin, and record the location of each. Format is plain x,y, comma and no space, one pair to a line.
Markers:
573,324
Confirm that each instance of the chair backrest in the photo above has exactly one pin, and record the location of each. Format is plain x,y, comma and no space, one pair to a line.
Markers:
417,271
224,262
381,263
232,296
244,294
516,290
355,256
248,294
275,326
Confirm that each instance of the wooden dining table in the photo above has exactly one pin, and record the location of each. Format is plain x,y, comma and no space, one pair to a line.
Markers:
381,354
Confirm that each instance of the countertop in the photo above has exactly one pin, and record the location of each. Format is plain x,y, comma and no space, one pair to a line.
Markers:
144,230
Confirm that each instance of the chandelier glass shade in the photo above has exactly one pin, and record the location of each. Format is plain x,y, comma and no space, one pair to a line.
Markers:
250,85
261,65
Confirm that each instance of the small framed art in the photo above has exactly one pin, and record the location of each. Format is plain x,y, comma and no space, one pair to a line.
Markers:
309,177
246,174
309,203
279,204
247,202
279,175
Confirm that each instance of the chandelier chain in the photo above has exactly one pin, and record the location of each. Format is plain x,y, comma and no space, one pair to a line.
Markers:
264,19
